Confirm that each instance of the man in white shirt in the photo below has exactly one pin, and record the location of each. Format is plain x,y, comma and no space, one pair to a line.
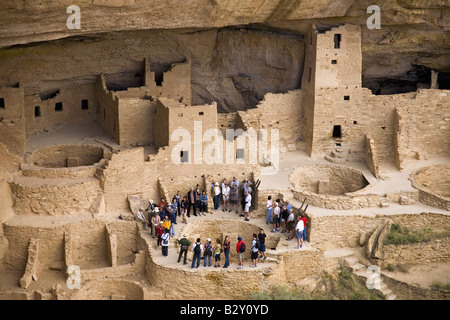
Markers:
299,232
276,217
248,202
226,196
216,191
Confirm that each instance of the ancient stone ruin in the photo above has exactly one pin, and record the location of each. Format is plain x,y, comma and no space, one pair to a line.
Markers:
349,125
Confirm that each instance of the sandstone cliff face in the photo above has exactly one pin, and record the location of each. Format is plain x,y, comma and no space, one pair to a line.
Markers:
239,49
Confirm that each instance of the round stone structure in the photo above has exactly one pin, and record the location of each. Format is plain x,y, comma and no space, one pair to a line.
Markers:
110,290
433,183
332,187
63,156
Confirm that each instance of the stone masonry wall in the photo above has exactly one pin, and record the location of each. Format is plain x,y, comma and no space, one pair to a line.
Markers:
12,120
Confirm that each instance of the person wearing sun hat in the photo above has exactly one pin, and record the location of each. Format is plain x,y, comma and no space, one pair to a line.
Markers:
184,246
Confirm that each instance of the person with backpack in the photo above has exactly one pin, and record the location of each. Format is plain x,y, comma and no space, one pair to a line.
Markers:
254,251
207,253
184,246
197,248
240,249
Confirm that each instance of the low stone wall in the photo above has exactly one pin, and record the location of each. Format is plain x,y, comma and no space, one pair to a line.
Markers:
433,184
408,291
341,231
433,251
53,196
110,289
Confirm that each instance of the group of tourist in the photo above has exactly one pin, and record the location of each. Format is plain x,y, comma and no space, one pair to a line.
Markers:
282,216
209,251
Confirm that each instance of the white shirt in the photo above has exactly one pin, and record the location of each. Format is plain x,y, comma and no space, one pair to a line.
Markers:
216,190
248,199
276,211
226,191
165,236
290,217
269,204
299,226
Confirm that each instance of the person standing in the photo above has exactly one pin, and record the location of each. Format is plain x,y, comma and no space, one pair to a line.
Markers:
165,242
197,249
159,233
203,203
305,220
184,209
174,204
254,251
217,251
269,210
290,225
299,232
234,197
262,244
226,251
184,246
177,198
207,253
192,197
226,196
166,222
284,215
216,196
248,202
276,217
155,222
240,249
172,218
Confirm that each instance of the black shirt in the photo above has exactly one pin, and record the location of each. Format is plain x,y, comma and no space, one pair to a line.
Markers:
262,238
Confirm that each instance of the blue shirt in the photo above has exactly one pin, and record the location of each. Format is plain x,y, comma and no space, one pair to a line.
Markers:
203,197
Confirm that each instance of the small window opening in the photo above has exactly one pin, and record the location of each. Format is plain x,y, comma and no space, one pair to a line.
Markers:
201,113
333,61
184,156
347,98
159,78
240,153
337,41
58,106
84,104
384,128
337,131
355,122
2,103
37,111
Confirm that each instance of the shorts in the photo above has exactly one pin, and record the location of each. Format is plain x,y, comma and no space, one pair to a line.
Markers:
262,247
299,234
247,207
241,255
276,219
234,202
226,198
217,257
254,255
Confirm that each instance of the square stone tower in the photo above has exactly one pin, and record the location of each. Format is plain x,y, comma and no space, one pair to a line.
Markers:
332,85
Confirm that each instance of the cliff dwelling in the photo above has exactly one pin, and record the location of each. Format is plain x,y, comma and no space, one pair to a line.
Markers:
300,101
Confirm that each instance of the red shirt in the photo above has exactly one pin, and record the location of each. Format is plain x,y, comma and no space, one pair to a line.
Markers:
239,244
304,221
159,230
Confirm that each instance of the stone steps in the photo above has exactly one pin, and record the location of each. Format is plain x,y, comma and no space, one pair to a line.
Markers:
361,270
